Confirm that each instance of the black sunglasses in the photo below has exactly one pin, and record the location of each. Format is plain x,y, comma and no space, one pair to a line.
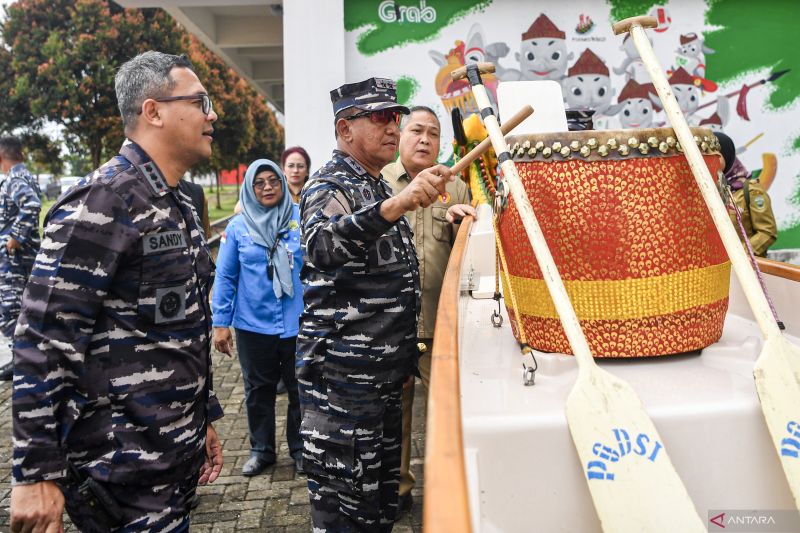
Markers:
207,106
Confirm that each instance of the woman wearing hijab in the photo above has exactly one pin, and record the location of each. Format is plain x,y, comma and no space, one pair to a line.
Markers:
751,199
258,292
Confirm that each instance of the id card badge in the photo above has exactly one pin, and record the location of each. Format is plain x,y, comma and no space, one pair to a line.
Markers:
291,257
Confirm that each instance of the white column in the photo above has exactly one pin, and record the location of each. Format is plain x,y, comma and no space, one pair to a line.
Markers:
313,65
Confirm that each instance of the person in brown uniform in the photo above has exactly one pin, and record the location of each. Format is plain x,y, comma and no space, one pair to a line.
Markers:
751,199
434,232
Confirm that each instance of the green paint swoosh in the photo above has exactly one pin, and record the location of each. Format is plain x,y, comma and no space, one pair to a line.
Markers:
381,36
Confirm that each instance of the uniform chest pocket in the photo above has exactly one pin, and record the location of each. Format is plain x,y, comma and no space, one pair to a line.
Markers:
442,229
386,254
166,286
167,302
251,253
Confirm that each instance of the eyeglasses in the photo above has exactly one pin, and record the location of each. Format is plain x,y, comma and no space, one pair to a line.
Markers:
273,183
207,106
382,117
298,166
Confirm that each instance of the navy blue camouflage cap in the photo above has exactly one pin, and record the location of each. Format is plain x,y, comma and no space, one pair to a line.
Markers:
373,94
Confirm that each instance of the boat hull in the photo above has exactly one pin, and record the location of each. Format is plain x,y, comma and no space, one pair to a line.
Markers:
522,470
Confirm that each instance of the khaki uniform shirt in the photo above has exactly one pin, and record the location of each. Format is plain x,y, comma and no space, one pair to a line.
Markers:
757,217
433,239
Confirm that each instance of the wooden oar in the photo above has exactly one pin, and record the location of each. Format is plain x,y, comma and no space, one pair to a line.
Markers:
776,369
630,476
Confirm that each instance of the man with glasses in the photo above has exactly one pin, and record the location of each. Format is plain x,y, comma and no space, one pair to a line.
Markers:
434,229
112,402
357,341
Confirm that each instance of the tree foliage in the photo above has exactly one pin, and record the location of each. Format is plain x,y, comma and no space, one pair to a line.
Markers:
245,129
268,139
233,130
44,154
64,57
59,58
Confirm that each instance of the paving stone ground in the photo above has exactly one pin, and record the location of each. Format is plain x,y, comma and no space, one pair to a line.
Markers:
276,501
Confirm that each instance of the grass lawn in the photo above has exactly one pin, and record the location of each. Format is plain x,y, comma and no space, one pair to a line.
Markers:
227,197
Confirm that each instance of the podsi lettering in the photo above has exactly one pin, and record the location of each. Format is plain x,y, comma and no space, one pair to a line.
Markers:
642,445
790,446
389,11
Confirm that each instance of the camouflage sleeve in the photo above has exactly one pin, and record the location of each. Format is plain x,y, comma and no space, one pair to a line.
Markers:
213,408
332,234
29,204
84,241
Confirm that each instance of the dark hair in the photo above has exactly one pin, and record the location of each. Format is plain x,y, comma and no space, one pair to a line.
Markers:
11,148
145,76
424,108
727,149
296,150
344,113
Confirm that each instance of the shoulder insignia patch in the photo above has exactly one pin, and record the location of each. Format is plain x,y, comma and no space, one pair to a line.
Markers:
153,177
355,165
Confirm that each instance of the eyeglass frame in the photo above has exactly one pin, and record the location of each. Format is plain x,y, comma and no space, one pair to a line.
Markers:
273,183
206,101
370,114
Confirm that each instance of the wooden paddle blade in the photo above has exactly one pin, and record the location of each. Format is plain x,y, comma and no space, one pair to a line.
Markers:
779,393
633,483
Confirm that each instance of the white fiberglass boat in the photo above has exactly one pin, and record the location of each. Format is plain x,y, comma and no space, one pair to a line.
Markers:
499,455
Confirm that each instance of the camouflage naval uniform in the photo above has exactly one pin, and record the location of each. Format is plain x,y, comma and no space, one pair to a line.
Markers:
357,344
112,361
19,218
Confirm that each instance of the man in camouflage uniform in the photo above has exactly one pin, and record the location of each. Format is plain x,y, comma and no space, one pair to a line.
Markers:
112,404
19,237
434,233
357,341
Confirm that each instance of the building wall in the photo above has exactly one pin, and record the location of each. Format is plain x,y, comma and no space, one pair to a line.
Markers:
313,63
418,42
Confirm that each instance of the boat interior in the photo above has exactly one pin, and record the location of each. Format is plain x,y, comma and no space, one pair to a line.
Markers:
499,455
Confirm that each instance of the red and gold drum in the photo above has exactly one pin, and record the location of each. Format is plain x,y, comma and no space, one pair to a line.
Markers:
632,239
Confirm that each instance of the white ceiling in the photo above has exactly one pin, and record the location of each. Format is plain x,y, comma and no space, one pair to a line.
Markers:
246,34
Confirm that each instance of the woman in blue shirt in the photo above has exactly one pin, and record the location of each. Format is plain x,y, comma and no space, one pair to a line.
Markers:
258,292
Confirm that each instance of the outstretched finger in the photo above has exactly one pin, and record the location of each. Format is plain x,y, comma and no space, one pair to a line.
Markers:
205,472
444,171
54,527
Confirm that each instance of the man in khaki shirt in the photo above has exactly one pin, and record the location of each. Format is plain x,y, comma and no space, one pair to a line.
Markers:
752,200
434,232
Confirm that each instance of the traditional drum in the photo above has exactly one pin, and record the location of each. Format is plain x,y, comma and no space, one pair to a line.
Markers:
632,239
